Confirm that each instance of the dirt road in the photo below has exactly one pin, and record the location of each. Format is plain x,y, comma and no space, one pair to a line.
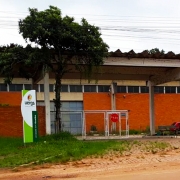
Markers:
137,165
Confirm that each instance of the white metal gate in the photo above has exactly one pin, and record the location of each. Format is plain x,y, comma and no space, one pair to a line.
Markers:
122,125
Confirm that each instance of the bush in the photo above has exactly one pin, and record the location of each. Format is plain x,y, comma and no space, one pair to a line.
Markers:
60,136
134,132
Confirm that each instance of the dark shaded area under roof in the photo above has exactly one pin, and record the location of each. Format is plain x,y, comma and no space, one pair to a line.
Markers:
144,54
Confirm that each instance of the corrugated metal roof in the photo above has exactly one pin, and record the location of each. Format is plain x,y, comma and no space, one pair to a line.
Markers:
145,54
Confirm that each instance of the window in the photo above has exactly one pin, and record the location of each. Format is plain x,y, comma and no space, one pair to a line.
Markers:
41,87
144,89
170,89
121,89
51,88
15,87
70,106
178,89
75,88
133,89
89,88
3,87
158,89
27,86
64,88
102,88
72,121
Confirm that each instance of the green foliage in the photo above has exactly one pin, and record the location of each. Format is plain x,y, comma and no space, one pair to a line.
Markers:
155,146
66,38
122,146
134,132
60,42
156,50
60,148
93,128
9,57
60,136
25,62
147,130
63,42
63,147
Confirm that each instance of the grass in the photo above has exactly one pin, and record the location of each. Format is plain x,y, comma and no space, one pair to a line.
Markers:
155,146
61,148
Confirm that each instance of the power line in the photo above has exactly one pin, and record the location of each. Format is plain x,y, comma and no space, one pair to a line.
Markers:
120,28
98,15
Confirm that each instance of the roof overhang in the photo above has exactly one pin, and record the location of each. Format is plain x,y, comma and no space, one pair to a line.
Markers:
158,71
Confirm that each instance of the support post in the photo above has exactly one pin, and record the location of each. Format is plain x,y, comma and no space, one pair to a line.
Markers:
47,103
151,108
113,90
113,102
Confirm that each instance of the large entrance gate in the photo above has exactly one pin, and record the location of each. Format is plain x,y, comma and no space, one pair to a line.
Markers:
105,123
101,123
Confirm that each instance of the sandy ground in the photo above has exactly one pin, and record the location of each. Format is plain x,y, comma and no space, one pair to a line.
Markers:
136,164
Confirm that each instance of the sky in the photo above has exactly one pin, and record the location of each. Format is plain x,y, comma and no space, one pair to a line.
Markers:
124,24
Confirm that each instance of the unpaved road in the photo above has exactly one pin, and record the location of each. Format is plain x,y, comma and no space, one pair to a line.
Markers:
137,165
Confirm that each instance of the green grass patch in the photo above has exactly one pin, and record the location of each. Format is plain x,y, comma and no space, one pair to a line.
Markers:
155,146
59,148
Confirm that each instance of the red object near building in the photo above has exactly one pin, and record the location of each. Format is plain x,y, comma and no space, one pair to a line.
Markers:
114,117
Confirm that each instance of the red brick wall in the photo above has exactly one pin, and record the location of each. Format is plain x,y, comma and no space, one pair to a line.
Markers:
96,101
11,98
167,108
138,106
11,118
11,123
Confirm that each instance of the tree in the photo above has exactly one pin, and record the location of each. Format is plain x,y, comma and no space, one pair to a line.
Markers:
16,60
156,50
65,42
12,62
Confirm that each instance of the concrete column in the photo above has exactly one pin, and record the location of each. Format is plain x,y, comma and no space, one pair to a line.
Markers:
151,108
47,103
113,99
113,104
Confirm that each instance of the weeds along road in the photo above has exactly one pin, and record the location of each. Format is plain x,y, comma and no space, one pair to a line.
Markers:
142,162
160,166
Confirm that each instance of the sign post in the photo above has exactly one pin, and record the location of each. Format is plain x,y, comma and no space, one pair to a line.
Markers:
30,116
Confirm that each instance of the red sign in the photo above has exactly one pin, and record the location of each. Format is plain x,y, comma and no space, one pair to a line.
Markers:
114,117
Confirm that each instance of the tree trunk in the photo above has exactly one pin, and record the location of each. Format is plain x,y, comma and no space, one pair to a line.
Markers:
57,102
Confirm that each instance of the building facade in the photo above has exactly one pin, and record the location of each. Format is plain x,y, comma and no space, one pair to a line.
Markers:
79,95
148,86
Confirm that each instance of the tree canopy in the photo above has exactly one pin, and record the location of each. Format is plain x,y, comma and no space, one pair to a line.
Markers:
156,50
49,29
16,60
12,56
62,41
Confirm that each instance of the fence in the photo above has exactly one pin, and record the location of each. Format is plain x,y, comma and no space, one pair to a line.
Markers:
93,123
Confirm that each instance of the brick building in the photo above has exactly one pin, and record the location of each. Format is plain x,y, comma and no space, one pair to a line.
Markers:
129,71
